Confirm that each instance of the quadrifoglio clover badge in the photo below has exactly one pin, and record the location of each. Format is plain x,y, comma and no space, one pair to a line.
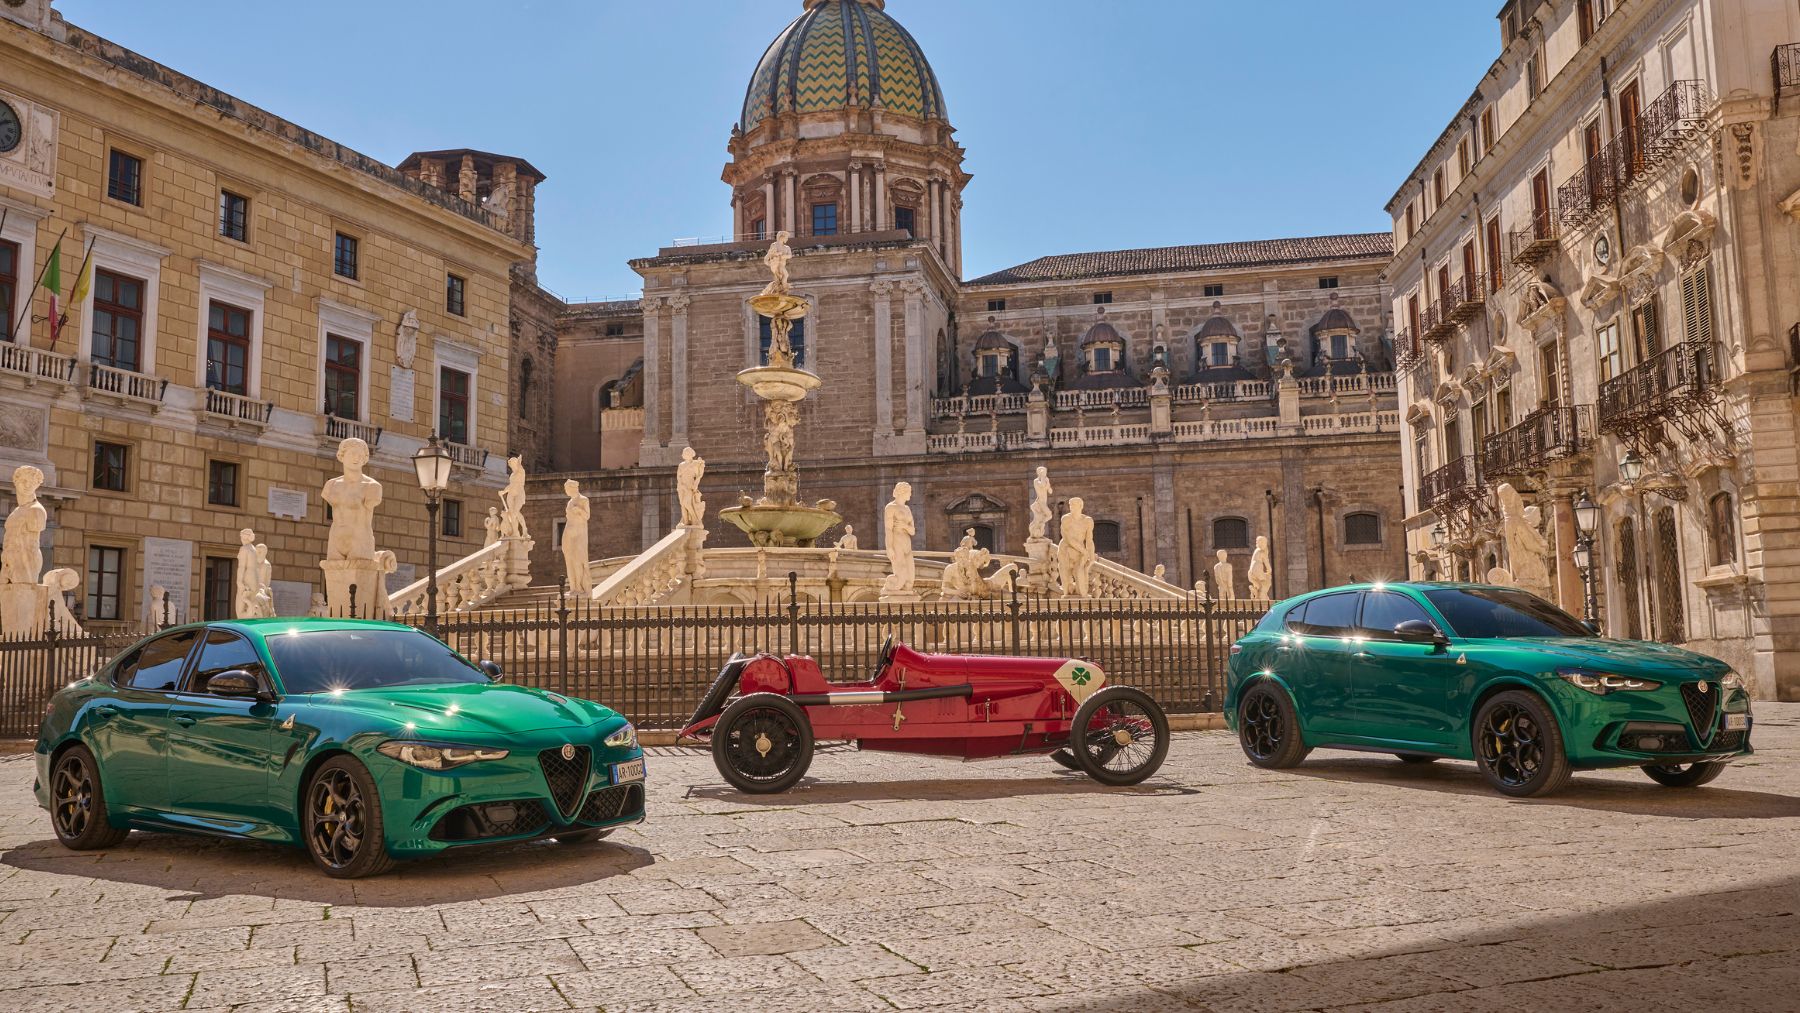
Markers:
1081,678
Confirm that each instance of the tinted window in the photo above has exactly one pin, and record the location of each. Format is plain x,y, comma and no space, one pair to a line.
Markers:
223,652
319,661
158,664
1502,612
1332,613
1384,610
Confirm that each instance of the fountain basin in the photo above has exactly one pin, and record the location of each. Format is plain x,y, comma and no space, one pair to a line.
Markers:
779,383
774,525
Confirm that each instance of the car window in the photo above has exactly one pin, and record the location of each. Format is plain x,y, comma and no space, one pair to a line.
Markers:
1384,610
321,661
158,664
1332,614
223,651
1296,618
1481,612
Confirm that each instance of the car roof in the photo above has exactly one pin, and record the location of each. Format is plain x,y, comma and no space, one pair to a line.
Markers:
268,627
1416,585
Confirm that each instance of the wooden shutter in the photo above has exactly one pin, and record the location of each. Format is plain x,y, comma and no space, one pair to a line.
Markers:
1696,304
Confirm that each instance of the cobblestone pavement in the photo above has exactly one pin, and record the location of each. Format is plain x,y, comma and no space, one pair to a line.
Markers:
893,883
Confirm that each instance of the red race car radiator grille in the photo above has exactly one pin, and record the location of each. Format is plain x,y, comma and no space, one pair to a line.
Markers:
567,776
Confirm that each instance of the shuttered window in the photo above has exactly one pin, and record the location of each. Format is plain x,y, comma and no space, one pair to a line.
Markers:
1696,304
1646,330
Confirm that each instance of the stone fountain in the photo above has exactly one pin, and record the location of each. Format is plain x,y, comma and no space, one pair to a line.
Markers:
778,519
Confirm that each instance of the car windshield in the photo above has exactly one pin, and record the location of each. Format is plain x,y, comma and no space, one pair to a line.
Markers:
1481,612
323,661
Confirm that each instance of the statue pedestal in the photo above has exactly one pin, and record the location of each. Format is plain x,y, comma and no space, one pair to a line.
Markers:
518,563
24,610
366,577
1040,575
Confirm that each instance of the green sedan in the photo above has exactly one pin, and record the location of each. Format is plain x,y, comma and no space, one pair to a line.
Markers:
1475,672
362,742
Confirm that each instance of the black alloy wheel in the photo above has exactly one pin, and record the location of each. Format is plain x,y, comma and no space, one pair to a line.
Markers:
1268,729
763,744
1120,736
78,803
343,821
1685,775
1519,747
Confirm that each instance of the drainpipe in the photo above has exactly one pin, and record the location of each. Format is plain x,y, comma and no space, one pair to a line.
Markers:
1274,571
1140,534
1324,570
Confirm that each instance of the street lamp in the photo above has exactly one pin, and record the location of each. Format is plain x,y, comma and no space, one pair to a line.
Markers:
1631,467
432,462
1439,536
1587,522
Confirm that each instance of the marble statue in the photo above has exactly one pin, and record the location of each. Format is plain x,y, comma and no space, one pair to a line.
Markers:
1160,573
406,339
1075,553
24,601
512,500
1041,514
687,488
1224,579
575,539
1527,551
492,524
778,436
386,564
264,599
962,578
158,606
248,575
897,519
1261,576
61,581
319,609
353,497
1500,575
847,540
777,260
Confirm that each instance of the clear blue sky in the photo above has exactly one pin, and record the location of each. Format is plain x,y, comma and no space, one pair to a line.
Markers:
1089,124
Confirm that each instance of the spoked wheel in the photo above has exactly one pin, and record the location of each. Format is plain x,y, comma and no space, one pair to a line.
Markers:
78,803
763,744
1684,775
1268,730
343,821
1120,736
1519,747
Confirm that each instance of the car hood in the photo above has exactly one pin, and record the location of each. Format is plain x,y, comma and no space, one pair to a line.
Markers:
472,708
1625,656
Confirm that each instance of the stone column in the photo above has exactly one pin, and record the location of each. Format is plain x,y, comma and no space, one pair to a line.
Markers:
884,358
789,213
1037,418
737,216
881,197
915,356
769,219
1162,414
935,190
853,183
1287,395
678,369
956,204
651,452
466,179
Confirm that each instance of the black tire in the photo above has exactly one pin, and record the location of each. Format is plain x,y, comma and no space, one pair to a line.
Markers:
1268,728
1065,758
340,821
1120,736
1414,758
763,744
1688,775
1519,746
78,803
583,836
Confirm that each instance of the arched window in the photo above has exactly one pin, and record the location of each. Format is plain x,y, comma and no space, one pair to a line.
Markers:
984,536
1628,580
1231,533
796,338
1362,529
1721,530
1109,538
1671,612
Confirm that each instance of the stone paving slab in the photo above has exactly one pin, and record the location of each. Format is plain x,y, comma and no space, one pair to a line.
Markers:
888,882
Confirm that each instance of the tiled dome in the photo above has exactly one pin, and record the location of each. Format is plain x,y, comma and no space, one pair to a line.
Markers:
843,54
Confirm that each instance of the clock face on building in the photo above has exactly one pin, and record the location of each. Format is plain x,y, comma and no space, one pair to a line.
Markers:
11,131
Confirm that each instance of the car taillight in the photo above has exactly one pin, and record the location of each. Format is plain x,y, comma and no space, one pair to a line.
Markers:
1237,649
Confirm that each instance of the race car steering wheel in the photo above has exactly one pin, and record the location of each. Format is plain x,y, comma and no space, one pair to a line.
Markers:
886,657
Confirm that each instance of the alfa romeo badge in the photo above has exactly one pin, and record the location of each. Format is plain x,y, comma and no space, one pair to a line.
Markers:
568,751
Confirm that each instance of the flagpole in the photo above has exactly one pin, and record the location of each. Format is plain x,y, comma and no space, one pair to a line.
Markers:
63,317
32,295
4,212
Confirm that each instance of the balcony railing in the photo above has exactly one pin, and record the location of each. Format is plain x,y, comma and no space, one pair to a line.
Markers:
1534,244
1456,482
1664,127
1544,436
1664,388
1784,67
35,364
1408,357
1467,296
1435,324
125,384
1224,390
236,409
334,430
465,456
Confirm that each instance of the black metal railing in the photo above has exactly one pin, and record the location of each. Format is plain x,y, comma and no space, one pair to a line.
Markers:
1408,355
1534,243
1435,323
1467,296
1663,127
32,670
1675,382
1546,435
1454,482
1784,69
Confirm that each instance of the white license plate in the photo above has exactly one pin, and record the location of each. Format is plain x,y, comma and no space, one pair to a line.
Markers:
632,770
1737,722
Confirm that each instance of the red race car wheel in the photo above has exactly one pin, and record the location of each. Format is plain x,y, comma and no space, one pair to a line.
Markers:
1120,736
762,744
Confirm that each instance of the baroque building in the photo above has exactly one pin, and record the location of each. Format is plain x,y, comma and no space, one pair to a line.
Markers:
1595,283
1196,397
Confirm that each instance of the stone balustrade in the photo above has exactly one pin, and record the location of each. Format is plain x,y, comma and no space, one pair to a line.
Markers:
35,364
467,584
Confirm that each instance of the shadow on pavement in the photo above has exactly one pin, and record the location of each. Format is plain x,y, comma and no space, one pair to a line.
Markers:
203,868
813,791
1712,802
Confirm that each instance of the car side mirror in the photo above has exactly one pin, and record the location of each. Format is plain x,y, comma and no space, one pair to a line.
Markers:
235,682
490,668
1593,626
1418,631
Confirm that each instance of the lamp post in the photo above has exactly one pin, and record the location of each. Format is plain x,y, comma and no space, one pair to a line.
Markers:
1631,467
1587,522
432,463
1439,537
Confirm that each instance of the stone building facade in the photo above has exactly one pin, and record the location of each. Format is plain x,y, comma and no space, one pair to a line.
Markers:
1595,283
258,293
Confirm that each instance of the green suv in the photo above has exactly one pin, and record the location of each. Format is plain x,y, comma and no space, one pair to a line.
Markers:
1477,672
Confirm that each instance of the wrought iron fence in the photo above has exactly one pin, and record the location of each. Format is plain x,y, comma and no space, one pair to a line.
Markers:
31,670
1784,67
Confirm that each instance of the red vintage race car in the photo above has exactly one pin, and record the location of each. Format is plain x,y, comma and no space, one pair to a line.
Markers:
763,714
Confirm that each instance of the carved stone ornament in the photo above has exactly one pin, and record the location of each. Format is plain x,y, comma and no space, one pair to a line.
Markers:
1690,236
1743,156
1500,362
1418,412
1599,290
1637,275
1791,206
1539,303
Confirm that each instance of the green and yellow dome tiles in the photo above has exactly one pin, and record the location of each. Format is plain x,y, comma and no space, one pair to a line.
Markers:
843,54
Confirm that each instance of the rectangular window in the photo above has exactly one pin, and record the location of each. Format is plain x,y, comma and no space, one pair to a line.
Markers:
220,588
1221,353
1340,346
343,377
1611,351
1584,19
1103,360
1503,407
9,284
1437,187
615,330
1215,291
1534,76
1487,129
903,220
455,295
1549,382
1412,320
1493,254
111,466
1696,304
1102,298
222,483
234,216
759,229
996,305
1646,330
105,573
824,219
1412,223
118,321
1462,157
1329,281
228,349
453,518
453,405
125,178
345,253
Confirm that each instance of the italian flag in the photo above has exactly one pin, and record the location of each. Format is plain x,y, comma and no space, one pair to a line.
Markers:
53,282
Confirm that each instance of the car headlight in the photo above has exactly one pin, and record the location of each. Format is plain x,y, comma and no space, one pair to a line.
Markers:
1731,681
429,756
624,738
1602,683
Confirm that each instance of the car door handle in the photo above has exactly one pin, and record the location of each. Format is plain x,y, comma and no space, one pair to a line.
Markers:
184,721
1362,655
